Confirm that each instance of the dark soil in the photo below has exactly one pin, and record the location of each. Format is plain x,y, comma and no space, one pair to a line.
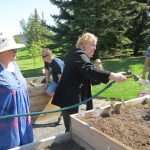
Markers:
131,127
70,145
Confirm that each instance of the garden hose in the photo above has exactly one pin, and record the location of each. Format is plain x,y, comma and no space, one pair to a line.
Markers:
61,109
129,74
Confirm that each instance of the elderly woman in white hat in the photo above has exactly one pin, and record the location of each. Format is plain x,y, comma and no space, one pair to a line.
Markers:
14,98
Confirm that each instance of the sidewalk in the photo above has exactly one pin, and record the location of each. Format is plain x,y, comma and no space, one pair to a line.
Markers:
46,129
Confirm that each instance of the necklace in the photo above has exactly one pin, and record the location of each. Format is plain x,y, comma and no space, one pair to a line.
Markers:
14,75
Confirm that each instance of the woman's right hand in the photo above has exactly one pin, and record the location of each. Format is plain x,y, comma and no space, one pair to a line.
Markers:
118,77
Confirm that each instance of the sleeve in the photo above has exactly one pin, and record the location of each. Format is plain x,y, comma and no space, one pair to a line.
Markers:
59,65
83,64
148,52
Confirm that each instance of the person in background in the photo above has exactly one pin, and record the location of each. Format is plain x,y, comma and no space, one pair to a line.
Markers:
52,66
14,98
146,65
75,83
98,64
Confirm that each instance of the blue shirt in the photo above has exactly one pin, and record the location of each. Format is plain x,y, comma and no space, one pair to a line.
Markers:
148,52
14,99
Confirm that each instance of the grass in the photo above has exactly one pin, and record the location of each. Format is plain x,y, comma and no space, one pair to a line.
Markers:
126,90
26,64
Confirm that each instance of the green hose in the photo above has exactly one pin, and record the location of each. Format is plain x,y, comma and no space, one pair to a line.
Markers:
61,109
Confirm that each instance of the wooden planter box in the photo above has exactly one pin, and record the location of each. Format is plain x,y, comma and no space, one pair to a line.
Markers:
84,133
39,101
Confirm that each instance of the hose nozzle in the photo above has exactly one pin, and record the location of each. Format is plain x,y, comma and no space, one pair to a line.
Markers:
135,77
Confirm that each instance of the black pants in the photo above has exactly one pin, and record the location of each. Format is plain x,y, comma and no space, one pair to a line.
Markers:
67,118
66,115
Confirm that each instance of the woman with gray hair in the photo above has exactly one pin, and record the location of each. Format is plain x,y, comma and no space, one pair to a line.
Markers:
14,98
75,83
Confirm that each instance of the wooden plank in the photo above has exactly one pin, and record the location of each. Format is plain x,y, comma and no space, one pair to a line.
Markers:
41,144
37,108
42,103
43,108
139,100
35,79
38,100
43,117
37,90
80,142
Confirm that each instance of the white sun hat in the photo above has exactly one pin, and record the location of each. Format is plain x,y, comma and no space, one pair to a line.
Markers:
8,43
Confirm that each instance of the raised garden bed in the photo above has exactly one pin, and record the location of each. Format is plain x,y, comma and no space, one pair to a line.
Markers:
39,101
87,137
129,130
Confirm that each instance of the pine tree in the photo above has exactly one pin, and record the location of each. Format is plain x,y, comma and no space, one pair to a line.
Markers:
140,29
110,20
37,33
103,18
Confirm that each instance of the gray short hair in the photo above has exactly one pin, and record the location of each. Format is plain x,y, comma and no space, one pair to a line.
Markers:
85,37
47,50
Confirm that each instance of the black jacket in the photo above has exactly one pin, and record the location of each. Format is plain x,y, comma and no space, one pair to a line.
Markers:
75,83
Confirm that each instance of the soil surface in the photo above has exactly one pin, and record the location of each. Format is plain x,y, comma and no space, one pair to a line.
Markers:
131,127
70,145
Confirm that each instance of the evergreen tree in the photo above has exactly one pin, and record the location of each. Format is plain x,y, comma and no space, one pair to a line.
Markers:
106,19
37,33
140,30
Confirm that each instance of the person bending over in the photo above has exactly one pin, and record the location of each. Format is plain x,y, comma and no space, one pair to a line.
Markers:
53,66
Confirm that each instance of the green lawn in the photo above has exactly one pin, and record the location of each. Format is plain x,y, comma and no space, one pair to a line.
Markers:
127,90
26,64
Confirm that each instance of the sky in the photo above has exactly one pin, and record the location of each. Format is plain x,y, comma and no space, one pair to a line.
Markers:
12,11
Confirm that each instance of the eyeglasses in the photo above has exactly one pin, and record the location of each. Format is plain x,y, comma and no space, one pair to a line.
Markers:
44,56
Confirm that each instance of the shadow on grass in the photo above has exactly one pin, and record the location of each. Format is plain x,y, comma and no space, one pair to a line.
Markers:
24,57
123,64
32,72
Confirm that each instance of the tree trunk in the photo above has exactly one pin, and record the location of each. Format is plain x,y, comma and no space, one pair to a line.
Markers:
136,49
